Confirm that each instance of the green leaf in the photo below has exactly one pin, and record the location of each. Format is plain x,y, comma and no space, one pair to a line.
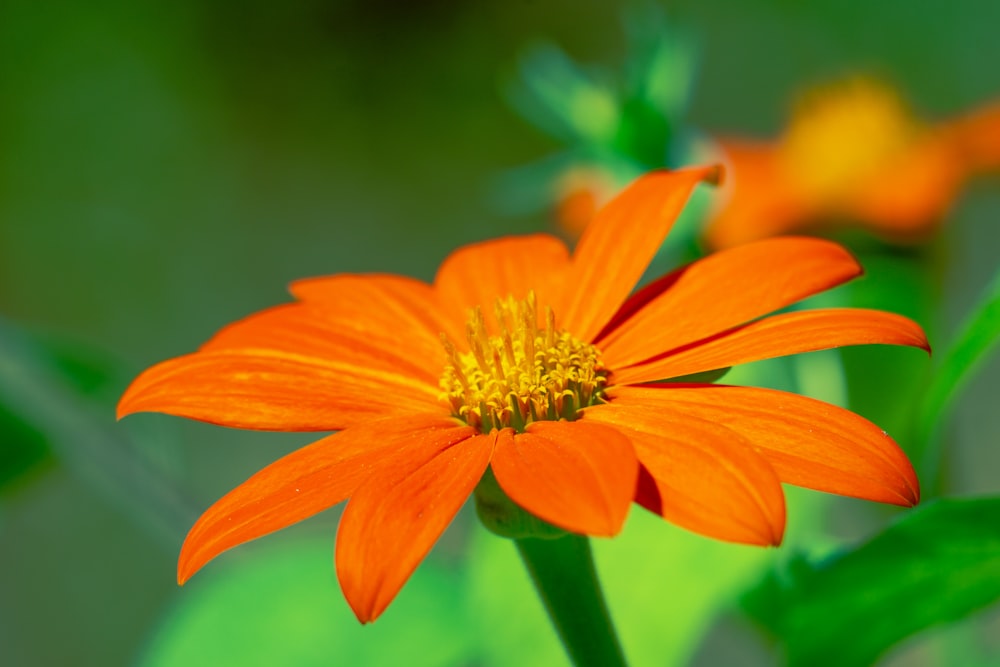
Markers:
661,62
704,377
967,353
563,99
938,564
282,606
24,449
58,397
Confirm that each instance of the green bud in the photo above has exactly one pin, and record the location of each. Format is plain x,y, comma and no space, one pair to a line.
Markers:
503,517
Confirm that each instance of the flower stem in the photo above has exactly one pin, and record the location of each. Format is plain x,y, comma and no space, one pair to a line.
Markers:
562,570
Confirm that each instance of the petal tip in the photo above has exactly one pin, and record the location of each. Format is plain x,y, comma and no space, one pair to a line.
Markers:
770,535
911,496
364,616
124,408
184,572
715,175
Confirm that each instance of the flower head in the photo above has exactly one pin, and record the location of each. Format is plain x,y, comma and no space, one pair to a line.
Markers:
546,370
853,153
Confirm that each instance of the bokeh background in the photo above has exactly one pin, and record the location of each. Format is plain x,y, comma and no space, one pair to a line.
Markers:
167,168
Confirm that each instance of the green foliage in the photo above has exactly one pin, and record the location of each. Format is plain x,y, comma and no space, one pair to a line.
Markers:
663,586
624,121
62,398
938,564
966,354
24,446
282,606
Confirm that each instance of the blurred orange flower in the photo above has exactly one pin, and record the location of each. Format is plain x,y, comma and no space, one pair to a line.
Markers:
579,193
542,367
852,154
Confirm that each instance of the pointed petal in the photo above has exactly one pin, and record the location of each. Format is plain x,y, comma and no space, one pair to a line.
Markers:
304,483
271,390
311,330
781,335
725,290
578,476
808,443
480,273
383,303
699,475
618,245
394,519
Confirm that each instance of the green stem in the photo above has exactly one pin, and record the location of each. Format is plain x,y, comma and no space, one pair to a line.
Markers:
562,570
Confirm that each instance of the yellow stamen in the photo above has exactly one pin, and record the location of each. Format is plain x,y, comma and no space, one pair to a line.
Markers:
521,374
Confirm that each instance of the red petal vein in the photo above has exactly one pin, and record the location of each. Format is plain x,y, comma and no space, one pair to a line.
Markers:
808,443
725,290
618,245
700,475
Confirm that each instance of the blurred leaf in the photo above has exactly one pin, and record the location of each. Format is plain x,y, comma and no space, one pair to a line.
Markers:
705,377
22,448
510,622
938,564
664,586
661,65
656,82
562,99
620,122
967,353
282,606
82,433
899,282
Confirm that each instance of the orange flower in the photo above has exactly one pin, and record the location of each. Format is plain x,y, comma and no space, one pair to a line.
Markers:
542,367
579,193
854,154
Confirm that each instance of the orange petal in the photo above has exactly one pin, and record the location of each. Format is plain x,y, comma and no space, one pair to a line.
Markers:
271,390
311,330
725,290
912,193
757,200
480,273
304,483
808,443
780,335
700,475
383,303
618,245
578,476
394,519
976,137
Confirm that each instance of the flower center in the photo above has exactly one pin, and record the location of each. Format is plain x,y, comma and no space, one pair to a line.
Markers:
525,373
845,134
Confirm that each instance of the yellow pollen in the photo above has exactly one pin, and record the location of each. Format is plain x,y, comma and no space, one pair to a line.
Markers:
523,373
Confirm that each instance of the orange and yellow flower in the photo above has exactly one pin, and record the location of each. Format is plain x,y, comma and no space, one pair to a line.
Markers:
852,154
546,369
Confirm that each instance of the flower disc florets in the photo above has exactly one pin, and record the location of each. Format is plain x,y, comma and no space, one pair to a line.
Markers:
523,374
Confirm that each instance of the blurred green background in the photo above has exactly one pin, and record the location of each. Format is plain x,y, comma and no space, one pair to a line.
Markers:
166,168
